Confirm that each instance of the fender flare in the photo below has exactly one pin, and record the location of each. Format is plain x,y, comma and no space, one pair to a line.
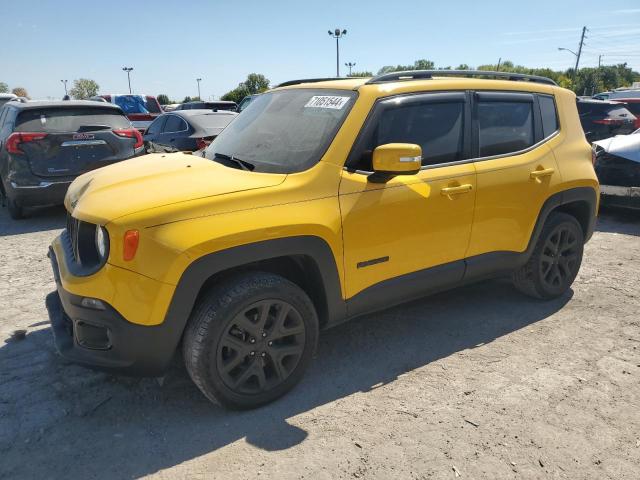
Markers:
203,268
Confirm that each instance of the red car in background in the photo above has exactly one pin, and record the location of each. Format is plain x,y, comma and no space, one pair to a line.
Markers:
141,110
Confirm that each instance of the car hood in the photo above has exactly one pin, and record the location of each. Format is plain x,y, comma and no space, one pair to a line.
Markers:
156,180
625,146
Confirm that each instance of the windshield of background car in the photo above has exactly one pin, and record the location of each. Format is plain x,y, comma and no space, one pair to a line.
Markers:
135,104
285,131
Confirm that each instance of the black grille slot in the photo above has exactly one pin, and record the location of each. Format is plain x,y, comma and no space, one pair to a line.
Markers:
73,227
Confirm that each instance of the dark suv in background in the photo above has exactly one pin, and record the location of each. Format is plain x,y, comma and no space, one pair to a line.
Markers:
44,146
217,105
603,119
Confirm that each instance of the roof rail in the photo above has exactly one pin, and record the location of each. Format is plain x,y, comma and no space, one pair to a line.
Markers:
309,80
426,74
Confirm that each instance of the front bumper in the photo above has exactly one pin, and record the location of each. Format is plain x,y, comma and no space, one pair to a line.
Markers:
103,338
616,196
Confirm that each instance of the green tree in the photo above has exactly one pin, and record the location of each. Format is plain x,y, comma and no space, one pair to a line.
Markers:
187,99
361,74
422,64
84,88
4,88
163,99
20,92
255,83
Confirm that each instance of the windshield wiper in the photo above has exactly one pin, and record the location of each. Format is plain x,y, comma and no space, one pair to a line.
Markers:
243,164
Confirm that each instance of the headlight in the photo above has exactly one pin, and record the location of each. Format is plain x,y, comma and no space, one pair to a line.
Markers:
102,241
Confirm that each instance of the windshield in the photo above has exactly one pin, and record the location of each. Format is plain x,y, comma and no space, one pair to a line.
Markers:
284,131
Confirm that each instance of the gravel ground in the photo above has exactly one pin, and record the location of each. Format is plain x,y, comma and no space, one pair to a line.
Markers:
478,382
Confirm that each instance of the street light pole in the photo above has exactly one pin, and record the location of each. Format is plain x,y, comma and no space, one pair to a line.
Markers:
577,55
350,65
128,70
199,80
337,34
64,82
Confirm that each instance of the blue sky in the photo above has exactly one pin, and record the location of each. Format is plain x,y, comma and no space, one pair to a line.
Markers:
171,43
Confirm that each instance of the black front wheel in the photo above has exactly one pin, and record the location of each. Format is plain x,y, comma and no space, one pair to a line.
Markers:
555,261
250,340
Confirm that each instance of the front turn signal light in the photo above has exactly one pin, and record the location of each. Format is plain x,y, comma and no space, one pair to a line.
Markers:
131,239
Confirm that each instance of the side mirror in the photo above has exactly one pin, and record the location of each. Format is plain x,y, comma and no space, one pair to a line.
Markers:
395,159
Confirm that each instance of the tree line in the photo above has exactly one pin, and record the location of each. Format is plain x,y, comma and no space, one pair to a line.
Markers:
586,81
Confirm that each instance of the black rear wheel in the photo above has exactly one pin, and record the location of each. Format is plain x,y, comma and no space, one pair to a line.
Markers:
249,340
15,209
555,261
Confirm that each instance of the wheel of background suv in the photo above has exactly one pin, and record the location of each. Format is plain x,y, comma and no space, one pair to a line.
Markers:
15,209
555,261
250,340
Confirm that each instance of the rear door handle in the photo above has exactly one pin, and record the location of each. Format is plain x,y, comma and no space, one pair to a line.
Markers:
546,172
447,191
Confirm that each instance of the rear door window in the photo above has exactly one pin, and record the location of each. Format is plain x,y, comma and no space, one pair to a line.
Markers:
152,105
62,120
549,115
504,126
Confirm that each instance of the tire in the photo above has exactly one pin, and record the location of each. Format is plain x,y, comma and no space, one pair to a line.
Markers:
254,312
15,209
555,260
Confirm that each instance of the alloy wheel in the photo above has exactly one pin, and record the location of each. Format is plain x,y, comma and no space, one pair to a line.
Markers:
261,347
559,260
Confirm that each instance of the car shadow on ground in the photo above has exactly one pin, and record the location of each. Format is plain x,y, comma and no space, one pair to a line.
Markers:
619,220
117,427
37,220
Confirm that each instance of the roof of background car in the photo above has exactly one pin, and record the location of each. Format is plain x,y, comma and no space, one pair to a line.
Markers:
435,83
8,95
221,102
200,111
64,104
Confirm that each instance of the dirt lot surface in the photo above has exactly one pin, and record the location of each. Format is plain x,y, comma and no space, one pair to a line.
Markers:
479,382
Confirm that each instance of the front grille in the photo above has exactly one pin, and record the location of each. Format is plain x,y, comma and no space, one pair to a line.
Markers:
80,246
73,227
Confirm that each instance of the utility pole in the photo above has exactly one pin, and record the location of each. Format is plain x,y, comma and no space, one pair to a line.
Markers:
575,71
350,65
199,80
600,60
128,70
337,34
499,61
64,82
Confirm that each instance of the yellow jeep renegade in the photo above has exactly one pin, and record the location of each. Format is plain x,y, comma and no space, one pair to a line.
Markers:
322,201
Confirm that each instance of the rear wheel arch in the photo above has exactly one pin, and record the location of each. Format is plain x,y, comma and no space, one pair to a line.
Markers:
579,202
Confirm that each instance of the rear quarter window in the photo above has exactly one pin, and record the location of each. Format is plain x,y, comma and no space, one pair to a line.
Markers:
62,120
549,114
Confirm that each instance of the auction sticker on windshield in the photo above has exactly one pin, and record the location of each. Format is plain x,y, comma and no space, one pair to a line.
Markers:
327,101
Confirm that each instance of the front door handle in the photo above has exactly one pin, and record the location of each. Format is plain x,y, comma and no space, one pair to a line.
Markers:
447,191
546,172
